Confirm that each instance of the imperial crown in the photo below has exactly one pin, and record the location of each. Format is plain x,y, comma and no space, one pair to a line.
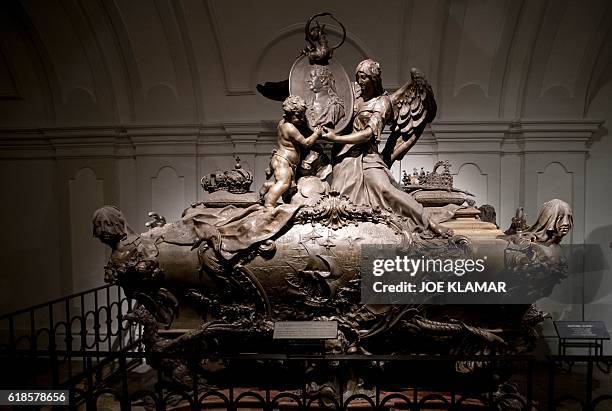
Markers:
236,181
433,180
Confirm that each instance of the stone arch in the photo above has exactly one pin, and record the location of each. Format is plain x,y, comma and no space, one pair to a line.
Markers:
470,177
168,193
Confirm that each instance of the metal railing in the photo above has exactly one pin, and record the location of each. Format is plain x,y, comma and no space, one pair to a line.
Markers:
62,342
82,343
262,389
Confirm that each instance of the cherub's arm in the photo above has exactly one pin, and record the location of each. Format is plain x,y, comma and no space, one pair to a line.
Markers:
307,142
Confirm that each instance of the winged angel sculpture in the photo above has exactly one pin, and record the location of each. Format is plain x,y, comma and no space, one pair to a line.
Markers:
360,172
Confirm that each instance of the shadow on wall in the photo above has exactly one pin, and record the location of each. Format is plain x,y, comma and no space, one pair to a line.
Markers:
598,135
598,290
598,280
586,294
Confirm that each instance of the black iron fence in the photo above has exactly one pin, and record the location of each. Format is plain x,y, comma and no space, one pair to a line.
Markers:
253,385
62,342
81,343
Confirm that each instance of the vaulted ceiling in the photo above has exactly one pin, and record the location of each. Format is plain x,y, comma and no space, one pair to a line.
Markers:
113,62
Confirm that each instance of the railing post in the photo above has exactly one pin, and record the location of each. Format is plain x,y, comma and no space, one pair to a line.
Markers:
109,321
90,401
12,332
33,337
377,387
529,383
194,383
589,385
69,338
232,405
125,396
52,349
551,384
33,346
96,325
159,389
453,390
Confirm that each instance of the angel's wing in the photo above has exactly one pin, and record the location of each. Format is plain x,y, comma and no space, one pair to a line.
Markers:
414,106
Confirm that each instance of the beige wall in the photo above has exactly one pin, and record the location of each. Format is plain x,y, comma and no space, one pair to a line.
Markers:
131,102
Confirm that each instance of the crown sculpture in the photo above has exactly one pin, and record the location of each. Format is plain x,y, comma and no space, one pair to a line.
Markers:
433,180
236,181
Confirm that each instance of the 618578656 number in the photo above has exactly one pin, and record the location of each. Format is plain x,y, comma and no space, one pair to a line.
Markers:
34,397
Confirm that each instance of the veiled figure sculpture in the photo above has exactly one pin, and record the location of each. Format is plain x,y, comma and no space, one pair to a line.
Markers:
554,221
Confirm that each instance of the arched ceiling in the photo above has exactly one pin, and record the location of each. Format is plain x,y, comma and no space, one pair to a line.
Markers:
116,62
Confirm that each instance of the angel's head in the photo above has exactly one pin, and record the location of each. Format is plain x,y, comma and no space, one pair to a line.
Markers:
368,76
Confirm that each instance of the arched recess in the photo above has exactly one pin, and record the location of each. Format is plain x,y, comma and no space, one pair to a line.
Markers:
102,54
23,36
191,61
80,70
161,102
565,53
80,106
470,177
8,83
86,194
477,38
601,72
555,181
168,193
154,59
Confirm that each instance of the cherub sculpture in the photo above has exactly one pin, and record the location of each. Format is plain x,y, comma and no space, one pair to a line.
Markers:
286,157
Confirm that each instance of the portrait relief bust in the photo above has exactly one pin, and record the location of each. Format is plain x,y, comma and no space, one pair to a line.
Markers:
324,107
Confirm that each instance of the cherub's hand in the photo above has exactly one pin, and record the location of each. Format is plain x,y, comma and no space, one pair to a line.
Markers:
329,134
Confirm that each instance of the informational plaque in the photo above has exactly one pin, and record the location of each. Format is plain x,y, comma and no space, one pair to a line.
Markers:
582,330
305,330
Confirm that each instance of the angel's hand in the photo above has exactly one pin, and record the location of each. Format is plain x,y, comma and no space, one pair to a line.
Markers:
329,134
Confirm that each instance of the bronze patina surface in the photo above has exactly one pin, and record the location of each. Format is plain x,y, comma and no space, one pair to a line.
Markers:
242,263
